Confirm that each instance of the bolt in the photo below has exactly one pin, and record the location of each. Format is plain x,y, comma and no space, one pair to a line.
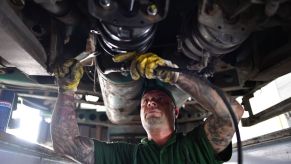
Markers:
152,10
105,3
95,32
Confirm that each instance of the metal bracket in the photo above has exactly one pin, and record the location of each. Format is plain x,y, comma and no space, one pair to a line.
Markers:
280,108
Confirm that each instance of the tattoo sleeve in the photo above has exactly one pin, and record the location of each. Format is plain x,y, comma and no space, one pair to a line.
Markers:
218,127
65,131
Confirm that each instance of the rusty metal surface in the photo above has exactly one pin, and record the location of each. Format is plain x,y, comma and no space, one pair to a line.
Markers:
16,151
120,98
271,112
19,46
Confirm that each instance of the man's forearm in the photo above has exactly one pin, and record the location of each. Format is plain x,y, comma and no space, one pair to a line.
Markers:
65,131
218,127
205,95
64,126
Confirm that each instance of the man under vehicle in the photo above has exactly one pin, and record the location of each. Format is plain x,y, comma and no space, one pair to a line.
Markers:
208,143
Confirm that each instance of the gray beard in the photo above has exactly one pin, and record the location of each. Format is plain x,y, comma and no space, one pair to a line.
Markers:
154,122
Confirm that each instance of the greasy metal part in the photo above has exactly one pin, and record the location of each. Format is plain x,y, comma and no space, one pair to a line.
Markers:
121,95
135,14
19,43
121,100
18,82
280,108
209,34
17,151
247,105
120,39
21,86
221,35
227,79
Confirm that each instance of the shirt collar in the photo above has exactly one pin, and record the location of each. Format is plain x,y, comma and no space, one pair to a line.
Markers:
172,140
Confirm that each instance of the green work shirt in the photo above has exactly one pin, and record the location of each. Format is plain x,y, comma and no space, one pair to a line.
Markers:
192,148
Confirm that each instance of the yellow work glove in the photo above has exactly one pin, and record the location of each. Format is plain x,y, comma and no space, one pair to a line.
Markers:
145,65
69,75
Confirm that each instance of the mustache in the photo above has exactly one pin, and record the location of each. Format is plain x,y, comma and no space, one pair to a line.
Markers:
146,109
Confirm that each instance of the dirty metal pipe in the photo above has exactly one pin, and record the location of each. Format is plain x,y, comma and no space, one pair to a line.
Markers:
120,98
121,95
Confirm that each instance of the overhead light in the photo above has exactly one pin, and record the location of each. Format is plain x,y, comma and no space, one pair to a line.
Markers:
91,98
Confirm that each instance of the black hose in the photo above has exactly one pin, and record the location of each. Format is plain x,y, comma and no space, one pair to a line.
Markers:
234,120
223,97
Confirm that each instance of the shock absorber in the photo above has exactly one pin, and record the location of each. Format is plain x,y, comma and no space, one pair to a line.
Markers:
127,25
210,33
123,26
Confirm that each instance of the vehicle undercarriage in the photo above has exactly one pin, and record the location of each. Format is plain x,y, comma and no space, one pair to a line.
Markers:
237,45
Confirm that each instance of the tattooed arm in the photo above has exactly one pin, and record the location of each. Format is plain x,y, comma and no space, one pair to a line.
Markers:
65,132
218,127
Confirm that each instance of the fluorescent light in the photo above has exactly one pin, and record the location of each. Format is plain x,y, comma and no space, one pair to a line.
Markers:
29,123
91,98
98,108
101,108
88,106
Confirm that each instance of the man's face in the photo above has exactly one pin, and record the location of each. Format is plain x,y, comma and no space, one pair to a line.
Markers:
157,110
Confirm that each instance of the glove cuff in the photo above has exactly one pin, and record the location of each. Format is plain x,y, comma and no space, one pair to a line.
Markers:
65,89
